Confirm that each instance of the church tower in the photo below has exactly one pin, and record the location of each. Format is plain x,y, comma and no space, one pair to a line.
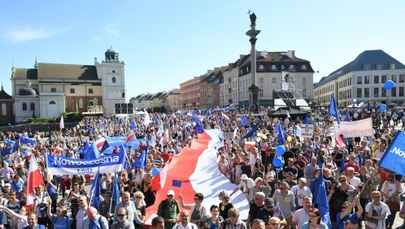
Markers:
111,71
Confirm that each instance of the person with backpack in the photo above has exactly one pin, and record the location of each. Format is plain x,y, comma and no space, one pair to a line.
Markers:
94,220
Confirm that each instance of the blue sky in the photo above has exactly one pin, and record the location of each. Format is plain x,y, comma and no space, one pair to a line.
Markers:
166,42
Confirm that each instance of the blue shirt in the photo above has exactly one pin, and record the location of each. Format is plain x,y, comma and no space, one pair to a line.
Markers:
348,217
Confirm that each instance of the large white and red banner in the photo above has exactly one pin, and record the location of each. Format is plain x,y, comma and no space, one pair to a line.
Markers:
195,169
353,129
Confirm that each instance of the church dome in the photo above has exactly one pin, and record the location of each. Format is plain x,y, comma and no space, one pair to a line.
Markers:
27,92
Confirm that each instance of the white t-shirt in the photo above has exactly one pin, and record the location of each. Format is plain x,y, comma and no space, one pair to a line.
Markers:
381,209
355,181
298,191
300,217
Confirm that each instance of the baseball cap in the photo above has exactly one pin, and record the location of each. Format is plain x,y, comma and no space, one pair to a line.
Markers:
243,177
170,193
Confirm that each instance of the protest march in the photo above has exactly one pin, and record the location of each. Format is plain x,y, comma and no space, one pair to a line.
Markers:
217,168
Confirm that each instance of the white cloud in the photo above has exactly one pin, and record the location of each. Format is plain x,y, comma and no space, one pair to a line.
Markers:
27,34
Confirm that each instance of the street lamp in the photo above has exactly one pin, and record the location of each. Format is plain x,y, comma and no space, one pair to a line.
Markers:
253,89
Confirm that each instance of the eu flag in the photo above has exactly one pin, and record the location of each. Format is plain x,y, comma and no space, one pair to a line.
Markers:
140,161
95,191
26,140
333,110
92,152
251,131
198,128
394,157
322,201
243,122
176,183
306,119
115,191
133,125
280,134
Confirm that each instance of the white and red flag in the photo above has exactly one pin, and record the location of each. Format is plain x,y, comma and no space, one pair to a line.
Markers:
61,123
130,137
224,116
34,180
195,169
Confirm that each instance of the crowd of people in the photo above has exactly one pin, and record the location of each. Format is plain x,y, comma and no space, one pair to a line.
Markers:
360,193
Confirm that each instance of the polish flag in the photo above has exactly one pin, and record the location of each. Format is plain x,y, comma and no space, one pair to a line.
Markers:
224,116
130,137
100,142
34,180
339,140
195,169
250,145
166,136
189,115
61,123
158,182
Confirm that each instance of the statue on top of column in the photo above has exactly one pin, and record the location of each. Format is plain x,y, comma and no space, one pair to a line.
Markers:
252,18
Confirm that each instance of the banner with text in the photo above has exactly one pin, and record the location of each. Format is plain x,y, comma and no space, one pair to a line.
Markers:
359,128
307,130
394,157
69,166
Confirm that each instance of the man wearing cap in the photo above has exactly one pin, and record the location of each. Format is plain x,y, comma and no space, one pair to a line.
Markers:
267,211
260,186
300,191
168,209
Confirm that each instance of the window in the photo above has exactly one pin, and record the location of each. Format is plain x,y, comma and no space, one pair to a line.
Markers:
261,80
367,67
392,66
32,107
383,92
367,92
114,80
53,90
383,78
4,109
72,91
366,79
274,80
359,80
274,67
394,92
401,91
376,92
304,67
359,94
52,102
376,78
90,90
394,78
380,66
261,68
24,107
291,67
401,78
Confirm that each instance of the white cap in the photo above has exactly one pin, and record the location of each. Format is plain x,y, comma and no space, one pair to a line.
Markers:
170,193
243,177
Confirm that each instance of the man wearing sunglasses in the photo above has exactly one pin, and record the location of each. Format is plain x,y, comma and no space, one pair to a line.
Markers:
122,222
